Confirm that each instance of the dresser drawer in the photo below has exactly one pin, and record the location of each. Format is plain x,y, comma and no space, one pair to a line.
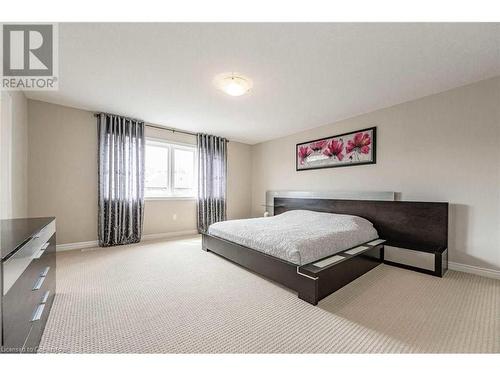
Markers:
34,287
45,298
14,267
38,321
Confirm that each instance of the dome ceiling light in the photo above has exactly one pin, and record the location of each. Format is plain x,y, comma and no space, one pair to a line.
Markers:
234,84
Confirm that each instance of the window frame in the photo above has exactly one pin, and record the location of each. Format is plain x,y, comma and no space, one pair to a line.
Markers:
171,146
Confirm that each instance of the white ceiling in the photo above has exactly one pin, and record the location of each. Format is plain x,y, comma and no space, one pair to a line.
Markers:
305,75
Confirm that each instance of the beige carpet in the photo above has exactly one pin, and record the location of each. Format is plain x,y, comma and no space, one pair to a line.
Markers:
171,297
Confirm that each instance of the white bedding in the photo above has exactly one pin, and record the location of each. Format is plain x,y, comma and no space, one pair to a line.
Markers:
298,236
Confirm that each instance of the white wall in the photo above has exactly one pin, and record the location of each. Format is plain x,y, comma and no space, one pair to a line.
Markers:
444,147
239,183
13,155
5,155
63,176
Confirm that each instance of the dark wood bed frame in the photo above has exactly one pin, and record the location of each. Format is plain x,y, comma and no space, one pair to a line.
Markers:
418,226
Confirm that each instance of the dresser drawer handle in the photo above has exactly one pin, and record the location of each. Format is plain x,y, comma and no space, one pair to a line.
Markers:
37,314
45,272
42,250
45,297
39,283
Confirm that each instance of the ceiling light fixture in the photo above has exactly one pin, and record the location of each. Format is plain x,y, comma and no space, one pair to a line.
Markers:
234,84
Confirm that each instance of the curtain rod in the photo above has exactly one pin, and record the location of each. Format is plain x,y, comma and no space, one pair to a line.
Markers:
173,130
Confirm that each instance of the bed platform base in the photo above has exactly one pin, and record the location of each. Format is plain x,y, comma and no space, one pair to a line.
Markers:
313,281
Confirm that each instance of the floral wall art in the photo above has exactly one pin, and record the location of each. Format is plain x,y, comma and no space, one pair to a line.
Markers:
354,148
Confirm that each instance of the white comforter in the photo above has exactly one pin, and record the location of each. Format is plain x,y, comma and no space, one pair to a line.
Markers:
299,236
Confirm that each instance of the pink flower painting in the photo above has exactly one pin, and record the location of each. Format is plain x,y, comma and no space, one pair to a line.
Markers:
304,152
334,149
360,144
353,148
318,146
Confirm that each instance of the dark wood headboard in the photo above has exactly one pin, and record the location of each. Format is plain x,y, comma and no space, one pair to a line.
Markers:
419,226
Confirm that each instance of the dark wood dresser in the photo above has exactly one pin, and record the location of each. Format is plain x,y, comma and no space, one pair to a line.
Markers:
28,281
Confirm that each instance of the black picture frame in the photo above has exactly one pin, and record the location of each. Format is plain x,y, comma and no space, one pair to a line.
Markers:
373,160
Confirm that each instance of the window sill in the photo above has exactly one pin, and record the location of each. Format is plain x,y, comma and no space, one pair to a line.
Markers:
170,198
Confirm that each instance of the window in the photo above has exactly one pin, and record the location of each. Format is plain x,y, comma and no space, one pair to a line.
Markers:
170,170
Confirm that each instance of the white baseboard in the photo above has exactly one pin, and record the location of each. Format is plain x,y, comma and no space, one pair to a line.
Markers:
158,236
77,245
486,272
146,237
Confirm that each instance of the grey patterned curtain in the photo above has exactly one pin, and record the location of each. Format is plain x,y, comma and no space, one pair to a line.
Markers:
212,171
121,179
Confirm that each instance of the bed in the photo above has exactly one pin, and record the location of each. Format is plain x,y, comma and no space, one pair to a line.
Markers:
298,236
317,246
